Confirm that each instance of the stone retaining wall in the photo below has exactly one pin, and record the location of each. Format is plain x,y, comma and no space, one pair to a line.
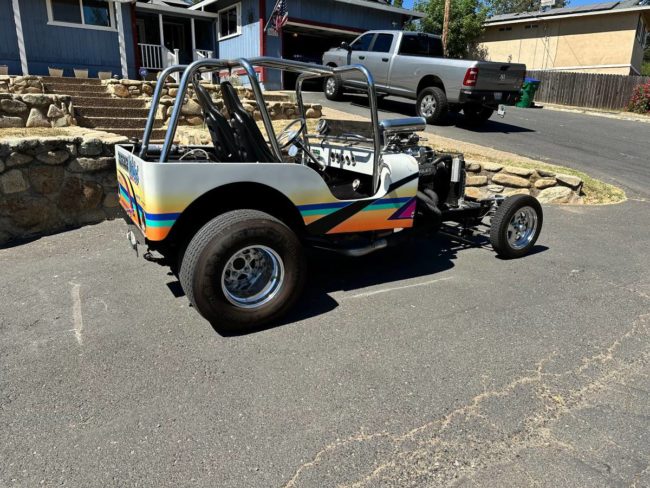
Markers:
52,183
486,179
21,84
35,110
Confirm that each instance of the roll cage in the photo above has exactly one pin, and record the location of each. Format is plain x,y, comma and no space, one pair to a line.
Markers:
306,71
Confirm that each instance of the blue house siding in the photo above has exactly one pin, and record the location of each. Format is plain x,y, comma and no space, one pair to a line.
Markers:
8,43
342,14
71,47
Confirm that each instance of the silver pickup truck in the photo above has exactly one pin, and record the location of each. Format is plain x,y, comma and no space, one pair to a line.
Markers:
411,65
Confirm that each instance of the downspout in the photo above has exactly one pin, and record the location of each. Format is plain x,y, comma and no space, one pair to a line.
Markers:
262,16
19,36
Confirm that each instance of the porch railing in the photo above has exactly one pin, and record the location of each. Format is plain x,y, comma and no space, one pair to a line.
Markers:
157,57
204,54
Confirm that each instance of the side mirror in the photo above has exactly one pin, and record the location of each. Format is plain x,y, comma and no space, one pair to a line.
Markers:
346,46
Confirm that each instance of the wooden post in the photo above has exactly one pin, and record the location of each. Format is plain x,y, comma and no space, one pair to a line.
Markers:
445,27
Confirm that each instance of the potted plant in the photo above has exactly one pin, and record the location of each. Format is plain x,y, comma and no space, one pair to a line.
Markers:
55,72
80,72
104,75
4,69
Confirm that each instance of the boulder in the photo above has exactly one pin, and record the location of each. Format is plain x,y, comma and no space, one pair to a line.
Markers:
111,200
545,174
53,157
472,167
33,99
476,180
523,172
13,106
78,195
495,188
544,183
475,193
46,179
88,165
557,194
91,147
510,180
9,122
312,113
520,191
54,112
37,119
195,120
120,91
191,108
18,159
147,89
31,213
572,182
13,181
493,167
127,82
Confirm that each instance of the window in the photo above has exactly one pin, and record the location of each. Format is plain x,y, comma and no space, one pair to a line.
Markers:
91,14
383,42
363,43
531,26
421,45
230,21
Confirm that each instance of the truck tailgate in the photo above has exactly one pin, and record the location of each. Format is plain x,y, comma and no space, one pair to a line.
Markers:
499,76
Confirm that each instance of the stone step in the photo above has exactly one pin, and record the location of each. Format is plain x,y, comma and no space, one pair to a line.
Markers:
91,100
126,123
70,89
71,81
157,135
115,112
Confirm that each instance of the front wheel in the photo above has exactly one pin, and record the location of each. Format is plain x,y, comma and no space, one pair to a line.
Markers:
242,270
432,105
516,225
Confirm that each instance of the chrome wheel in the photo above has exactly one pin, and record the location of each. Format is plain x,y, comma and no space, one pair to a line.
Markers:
252,277
522,227
330,86
428,106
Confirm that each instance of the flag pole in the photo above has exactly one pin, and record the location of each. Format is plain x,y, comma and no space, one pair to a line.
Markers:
266,27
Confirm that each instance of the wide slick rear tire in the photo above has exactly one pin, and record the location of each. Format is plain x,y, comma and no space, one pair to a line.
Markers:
242,270
516,226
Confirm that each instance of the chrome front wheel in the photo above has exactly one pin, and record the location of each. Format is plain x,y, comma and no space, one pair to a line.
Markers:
522,227
516,225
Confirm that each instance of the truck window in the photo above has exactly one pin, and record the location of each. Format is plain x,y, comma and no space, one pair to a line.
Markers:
383,42
363,43
420,45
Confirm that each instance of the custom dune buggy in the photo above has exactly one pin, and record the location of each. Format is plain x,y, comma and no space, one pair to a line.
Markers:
233,217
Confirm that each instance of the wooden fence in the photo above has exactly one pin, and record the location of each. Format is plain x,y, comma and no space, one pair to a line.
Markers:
591,90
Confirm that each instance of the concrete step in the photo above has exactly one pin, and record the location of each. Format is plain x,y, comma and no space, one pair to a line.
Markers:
157,135
70,89
71,81
115,112
127,123
93,100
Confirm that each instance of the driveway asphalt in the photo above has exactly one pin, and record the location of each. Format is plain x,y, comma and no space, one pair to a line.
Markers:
616,151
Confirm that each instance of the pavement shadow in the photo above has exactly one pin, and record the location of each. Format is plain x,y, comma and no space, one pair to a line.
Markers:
407,108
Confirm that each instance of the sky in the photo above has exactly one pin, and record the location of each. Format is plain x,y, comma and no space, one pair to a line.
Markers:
572,3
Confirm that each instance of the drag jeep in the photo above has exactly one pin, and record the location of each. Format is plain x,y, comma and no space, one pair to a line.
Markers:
232,218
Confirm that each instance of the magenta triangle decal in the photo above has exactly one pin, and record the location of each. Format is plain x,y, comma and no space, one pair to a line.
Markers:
405,212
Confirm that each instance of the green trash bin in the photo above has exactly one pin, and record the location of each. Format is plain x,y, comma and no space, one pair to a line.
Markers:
528,90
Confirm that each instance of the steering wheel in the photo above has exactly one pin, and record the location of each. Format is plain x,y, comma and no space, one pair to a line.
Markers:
289,135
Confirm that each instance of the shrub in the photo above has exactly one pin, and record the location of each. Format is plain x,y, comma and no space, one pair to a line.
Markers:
640,101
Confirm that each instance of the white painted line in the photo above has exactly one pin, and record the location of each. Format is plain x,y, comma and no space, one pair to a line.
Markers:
386,290
77,318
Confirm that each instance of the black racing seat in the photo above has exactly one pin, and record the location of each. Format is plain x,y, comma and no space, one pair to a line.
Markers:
223,140
249,138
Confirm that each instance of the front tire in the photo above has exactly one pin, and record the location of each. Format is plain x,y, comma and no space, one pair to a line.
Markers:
516,225
432,105
242,270
333,88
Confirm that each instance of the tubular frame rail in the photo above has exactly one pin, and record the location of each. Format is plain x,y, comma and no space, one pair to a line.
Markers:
305,70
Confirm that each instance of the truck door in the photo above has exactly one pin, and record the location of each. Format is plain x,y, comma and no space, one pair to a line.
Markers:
377,60
359,50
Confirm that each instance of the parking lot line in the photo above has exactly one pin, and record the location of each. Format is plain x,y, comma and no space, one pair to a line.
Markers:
395,288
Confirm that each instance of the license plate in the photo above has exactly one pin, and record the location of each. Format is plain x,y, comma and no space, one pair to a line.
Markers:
498,96
502,110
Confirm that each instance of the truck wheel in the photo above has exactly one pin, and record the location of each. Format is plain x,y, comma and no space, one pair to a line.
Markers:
516,225
333,88
477,115
243,269
432,104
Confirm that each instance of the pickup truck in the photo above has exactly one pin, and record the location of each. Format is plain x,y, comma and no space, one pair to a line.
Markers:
412,65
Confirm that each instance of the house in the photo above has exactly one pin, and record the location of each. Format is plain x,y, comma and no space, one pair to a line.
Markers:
123,36
597,38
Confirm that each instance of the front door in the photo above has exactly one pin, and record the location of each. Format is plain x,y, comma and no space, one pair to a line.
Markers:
175,38
377,59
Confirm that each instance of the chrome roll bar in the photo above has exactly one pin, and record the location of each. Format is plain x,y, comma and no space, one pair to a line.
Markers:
305,71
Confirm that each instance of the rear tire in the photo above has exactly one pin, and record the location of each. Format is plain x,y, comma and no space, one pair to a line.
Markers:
333,88
516,225
477,115
242,270
432,105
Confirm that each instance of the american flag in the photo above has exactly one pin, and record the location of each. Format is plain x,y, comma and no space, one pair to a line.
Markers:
280,15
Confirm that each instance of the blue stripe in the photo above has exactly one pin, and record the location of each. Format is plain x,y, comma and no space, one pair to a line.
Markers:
392,200
323,206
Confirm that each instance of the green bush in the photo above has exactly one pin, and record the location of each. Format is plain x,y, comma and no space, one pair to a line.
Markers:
640,101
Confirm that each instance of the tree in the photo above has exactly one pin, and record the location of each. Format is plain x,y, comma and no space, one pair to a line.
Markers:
398,3
465,27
